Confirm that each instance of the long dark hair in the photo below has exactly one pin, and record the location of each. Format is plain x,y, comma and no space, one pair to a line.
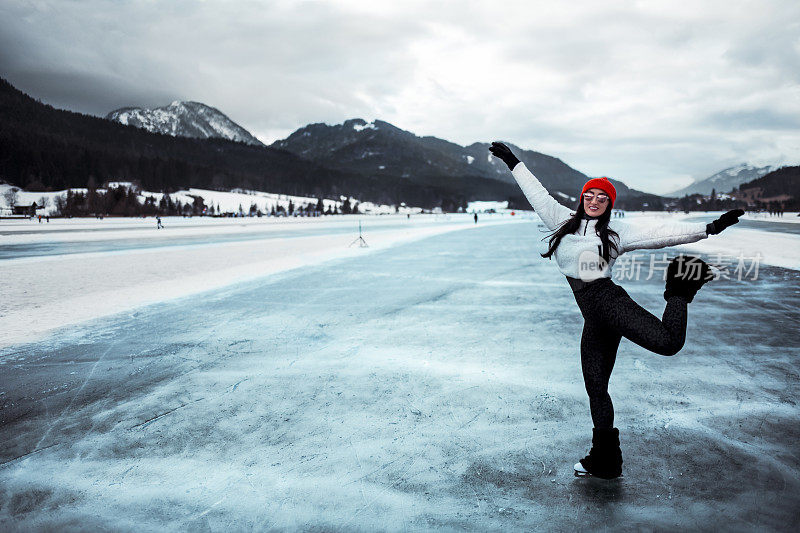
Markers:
572,224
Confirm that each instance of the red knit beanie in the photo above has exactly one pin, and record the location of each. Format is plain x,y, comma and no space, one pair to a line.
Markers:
604,185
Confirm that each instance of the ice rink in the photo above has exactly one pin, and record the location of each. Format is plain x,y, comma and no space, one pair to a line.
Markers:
431,381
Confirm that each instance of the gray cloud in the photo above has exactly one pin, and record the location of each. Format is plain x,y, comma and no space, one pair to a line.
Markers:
757,119
650,93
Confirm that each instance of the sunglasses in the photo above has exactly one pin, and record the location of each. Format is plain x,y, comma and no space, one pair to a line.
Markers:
601,198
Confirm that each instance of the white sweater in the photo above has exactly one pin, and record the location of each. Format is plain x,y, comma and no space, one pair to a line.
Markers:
579,255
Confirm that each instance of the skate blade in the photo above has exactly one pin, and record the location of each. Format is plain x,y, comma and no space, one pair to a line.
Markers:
587,474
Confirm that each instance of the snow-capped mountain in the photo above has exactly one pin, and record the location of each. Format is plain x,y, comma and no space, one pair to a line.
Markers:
380,149
724,180
184,119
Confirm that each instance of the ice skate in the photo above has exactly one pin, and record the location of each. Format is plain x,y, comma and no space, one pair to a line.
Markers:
605,457
580,471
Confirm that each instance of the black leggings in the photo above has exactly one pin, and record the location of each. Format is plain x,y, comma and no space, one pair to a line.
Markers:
609,315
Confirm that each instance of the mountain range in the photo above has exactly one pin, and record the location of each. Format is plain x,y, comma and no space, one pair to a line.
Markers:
382,151
724,180
189,144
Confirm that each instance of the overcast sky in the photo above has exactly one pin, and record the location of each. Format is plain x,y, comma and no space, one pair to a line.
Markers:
650,93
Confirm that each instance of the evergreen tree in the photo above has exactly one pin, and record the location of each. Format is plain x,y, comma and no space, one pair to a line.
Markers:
199,205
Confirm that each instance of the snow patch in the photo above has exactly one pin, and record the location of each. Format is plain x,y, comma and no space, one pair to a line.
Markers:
120,184
482,206
362,127
734,171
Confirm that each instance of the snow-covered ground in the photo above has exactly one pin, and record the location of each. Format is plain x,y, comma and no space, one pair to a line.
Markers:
285,380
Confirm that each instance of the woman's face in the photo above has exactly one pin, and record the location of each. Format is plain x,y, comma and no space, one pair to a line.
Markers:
598,203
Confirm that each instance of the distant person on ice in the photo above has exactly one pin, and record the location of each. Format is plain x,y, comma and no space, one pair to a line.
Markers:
476,218
585,245
159,225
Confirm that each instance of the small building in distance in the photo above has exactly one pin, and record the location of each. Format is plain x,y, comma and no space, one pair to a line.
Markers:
28,210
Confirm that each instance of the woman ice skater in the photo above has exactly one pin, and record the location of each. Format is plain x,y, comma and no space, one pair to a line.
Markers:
585,244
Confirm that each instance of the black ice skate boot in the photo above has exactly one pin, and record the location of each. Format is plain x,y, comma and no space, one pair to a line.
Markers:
605,457
686,274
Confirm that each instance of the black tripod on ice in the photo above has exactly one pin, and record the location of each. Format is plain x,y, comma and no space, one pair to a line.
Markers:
360,239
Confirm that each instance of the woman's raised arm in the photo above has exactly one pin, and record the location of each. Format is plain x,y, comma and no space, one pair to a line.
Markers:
548,208
633,238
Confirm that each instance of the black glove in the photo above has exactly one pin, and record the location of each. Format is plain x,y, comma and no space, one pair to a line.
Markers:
503,152
727,219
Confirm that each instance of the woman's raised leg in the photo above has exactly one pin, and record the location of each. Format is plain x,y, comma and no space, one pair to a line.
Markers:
634,322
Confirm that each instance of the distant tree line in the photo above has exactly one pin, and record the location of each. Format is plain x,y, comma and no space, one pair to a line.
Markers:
784,181
125,201
700,202
120,201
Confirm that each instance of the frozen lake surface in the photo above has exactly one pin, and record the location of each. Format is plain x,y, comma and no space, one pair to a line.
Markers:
433,384
106,236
